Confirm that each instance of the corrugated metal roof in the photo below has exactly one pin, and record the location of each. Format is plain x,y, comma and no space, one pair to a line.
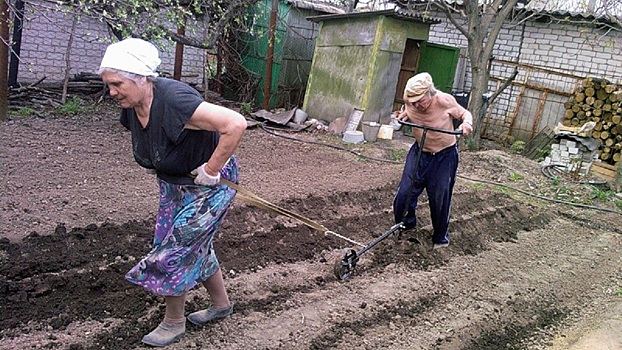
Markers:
402,14
546,8
574,14
316,6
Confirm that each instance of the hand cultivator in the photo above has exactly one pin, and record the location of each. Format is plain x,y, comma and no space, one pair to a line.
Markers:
344,267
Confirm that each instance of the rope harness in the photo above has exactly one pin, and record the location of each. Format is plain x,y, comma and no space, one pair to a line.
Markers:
251,198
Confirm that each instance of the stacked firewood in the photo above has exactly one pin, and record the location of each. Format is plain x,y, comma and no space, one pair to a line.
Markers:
599,101
40,94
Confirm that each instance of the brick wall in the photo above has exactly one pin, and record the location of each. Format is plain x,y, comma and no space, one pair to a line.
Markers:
46,34
574,49
561,54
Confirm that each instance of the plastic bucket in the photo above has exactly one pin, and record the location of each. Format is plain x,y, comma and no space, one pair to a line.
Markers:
353,136
370,131
300,116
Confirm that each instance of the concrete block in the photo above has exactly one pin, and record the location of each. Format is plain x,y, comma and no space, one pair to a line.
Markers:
573,150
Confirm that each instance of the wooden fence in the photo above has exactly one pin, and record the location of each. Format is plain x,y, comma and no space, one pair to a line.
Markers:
534,101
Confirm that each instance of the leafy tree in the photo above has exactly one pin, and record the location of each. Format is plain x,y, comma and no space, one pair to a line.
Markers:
160,19
4,54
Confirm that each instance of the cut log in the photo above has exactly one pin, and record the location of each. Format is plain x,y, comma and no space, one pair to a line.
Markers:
601,94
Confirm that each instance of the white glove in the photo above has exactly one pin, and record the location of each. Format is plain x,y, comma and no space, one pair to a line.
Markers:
203,178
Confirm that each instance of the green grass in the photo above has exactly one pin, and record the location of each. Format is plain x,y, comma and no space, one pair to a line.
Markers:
517,147
601,195
515,176
397,154
477,186
22,112
555,181
73,107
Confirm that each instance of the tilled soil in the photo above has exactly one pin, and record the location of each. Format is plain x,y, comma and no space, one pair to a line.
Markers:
522,272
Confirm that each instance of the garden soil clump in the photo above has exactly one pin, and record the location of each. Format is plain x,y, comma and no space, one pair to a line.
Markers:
522,272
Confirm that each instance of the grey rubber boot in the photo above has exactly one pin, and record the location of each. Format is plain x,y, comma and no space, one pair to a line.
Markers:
210,314
165,334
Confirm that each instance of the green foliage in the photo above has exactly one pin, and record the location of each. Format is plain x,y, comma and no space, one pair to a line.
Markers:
619,292
543,153
504,189
124,18
159,20
515,176
517,147
23,112
397,154
555,181
601,195
72,107
618,203
246,108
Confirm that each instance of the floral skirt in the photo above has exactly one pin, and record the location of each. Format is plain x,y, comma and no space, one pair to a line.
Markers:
188,219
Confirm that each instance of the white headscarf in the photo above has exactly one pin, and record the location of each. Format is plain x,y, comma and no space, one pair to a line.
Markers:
133,56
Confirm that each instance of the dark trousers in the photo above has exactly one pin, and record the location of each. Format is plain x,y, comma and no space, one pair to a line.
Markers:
436,174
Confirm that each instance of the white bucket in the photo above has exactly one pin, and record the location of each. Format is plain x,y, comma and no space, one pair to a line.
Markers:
385,132
353,136
300,116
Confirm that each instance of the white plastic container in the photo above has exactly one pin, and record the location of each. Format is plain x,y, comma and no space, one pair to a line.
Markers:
353,136
385,132
300,116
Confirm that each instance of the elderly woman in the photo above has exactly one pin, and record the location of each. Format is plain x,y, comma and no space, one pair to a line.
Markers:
189,144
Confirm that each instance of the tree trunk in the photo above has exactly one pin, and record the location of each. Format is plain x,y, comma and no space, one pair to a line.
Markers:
484,22
4,60
63,99
478,105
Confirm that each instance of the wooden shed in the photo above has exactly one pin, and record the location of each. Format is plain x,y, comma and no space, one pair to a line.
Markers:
293,48
362,62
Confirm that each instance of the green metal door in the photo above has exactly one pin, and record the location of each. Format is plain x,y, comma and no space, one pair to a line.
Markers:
441,62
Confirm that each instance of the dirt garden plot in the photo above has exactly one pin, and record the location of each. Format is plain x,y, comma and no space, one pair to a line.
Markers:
521,272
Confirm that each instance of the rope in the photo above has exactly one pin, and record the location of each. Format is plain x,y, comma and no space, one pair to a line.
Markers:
542,197
265,128
259,202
